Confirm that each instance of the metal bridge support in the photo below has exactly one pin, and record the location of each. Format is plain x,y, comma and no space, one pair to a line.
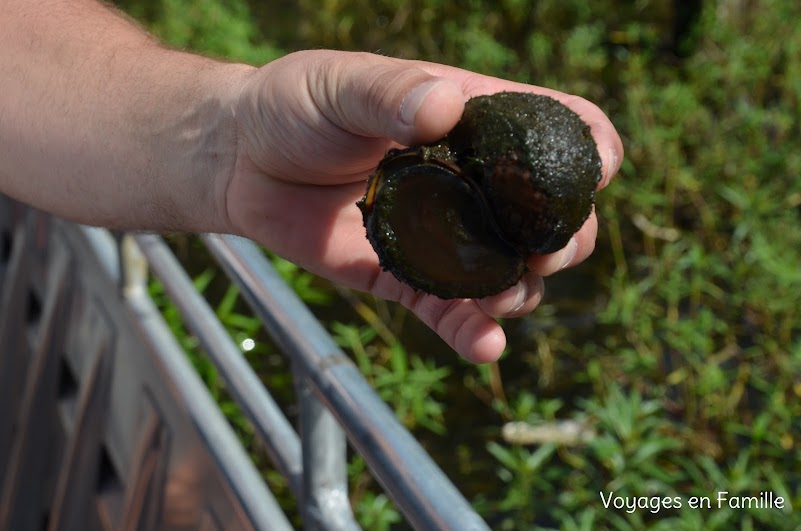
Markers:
105,425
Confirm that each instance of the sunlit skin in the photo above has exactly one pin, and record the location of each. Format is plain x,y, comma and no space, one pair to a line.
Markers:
103,125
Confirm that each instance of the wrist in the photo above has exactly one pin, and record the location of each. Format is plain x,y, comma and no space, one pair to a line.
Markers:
208,160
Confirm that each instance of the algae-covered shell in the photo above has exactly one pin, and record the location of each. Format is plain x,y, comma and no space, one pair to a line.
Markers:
431,227
539,163
457,218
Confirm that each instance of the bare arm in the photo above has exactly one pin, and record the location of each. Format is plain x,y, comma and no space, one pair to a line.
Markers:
100,124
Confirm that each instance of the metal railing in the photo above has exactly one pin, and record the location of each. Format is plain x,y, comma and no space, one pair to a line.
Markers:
107,426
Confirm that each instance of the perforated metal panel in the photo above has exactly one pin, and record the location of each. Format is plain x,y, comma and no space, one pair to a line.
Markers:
105,424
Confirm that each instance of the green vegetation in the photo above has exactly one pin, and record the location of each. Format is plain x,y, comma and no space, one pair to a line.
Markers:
679,341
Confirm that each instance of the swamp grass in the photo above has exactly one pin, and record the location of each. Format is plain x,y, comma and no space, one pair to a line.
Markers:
678,342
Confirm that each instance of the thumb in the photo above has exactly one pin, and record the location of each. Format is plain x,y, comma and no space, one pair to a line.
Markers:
377,96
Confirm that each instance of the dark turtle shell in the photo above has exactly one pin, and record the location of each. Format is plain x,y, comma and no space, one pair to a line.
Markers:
457,218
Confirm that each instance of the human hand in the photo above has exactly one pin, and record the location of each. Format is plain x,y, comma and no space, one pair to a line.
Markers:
310,129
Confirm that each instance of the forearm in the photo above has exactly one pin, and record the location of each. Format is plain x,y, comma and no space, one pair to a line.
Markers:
100,124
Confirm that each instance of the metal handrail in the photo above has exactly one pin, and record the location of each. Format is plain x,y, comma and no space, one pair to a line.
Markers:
154,397
272,427
323,489
423,493
263,509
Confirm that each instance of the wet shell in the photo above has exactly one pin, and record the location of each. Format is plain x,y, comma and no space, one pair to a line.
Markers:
441,240
458,218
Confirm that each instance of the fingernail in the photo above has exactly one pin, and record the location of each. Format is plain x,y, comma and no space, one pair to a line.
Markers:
610,169
414,99
569,253
520,297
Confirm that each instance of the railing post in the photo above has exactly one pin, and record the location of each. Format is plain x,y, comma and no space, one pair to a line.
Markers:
325,477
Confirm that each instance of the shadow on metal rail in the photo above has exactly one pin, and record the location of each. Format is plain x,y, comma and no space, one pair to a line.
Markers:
107,426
